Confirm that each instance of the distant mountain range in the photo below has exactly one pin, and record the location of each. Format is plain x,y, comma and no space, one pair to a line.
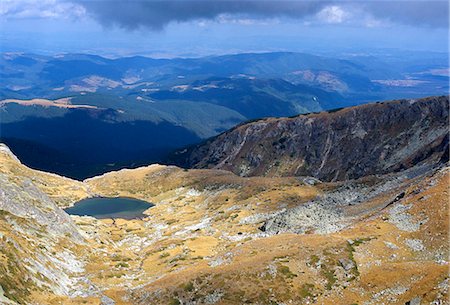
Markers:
133,111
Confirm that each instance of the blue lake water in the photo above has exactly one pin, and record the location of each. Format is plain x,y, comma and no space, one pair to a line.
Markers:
103,207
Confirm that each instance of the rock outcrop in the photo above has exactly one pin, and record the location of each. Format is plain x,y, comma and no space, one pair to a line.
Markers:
38,240
343,144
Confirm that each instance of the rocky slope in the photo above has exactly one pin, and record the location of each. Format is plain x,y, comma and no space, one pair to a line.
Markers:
217,238
38,240
344,144
214,237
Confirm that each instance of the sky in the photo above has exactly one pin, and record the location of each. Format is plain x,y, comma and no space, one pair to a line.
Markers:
205,27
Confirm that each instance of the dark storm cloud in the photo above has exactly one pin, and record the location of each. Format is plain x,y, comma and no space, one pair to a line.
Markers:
156,14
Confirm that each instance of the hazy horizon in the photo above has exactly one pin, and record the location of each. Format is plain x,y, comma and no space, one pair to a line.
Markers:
200,28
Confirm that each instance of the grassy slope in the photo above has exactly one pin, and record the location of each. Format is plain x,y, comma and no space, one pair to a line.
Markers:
199,242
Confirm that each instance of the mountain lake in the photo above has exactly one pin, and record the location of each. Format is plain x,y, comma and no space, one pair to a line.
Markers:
105,207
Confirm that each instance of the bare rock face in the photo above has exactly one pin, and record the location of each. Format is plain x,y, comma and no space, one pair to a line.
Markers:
22,198
344,144
32,231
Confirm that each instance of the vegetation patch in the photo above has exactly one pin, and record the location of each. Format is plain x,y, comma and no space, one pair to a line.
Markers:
189,286
306,290
122,265
330,277
314,259
174,301
286,271
164,254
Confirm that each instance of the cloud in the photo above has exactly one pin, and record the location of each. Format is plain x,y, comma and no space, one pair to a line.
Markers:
31,9
333,14
429,13
384,13
156,14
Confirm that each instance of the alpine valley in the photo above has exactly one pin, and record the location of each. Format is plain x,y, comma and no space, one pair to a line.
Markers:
348,206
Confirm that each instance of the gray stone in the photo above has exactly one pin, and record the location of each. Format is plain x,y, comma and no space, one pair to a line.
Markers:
346,263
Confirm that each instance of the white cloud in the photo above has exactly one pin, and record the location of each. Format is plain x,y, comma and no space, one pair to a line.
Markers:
372,22
53,9
333,14
240,20
348,14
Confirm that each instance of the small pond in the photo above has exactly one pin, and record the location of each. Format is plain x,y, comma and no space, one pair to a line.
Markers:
104,207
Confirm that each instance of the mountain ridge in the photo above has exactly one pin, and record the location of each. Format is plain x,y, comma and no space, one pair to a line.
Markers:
277,147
